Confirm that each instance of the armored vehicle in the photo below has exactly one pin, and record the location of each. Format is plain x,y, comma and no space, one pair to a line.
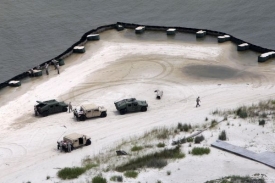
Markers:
89,111
73,141
131,105
49,107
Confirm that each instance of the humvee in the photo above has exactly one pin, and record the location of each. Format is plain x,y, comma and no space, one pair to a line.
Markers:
131,105
49,107
73,141
89,111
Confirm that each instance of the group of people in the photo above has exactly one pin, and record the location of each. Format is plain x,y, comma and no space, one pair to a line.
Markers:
56,66
68,146
46,67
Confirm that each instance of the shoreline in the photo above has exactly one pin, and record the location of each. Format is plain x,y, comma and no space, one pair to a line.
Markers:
103,28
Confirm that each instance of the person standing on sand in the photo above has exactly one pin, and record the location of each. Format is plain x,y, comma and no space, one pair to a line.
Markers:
69,147
70,107
61,145
198,102
54,63
57,67
31,72
46,68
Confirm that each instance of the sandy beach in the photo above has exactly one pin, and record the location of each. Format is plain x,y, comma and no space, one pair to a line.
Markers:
124,65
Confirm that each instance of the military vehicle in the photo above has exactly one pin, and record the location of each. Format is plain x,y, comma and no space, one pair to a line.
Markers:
131,105
73,141
89,111
49,107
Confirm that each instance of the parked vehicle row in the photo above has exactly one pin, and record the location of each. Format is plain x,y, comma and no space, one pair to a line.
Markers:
83,112
86,111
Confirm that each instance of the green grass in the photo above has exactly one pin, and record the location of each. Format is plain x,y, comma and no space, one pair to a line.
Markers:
154,160
190,139
184,127
131,174
99,179
237,179
200,150
222,136
242,112
199,139
163,133
159,133
136,148
74,172
161,144
90,165
71,173
213,123
116,178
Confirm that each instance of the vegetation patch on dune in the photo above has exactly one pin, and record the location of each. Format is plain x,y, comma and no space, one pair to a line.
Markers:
131,174
239,179
154,160
70,173
116,178
99,179
263,109
136,148
74,172
146,156
200,150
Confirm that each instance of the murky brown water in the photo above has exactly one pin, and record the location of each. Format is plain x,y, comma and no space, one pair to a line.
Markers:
213,71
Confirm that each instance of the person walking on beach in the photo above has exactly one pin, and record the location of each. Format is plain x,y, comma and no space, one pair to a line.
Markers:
198,102
70,107
54,63
61,145
57,67
69,146
47,68
31,72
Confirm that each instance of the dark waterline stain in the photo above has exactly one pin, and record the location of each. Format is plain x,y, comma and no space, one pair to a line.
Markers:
212,71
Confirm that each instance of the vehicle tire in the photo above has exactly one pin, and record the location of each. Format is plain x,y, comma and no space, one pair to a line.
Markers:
143,109
122,111
88,142
45,113
65,109
103,115
82,118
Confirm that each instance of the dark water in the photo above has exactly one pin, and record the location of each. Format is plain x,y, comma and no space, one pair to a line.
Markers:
212,72
34,31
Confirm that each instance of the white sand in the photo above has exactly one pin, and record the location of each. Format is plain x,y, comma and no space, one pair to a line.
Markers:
122,68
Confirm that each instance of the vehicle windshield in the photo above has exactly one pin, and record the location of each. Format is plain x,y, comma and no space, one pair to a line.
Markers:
40,105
